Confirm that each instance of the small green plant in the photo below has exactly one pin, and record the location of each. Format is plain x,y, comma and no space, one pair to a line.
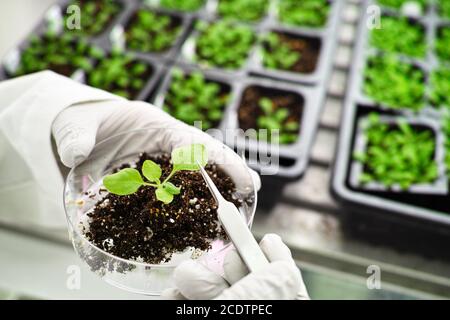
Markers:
394,83
274,118
127,181
398,35
244,10
192,98
443,44
152,32
277,54
444,8
397,4
397,154
440,87
120,74
224,44
182,5
446,130
61,53
308,13
95,15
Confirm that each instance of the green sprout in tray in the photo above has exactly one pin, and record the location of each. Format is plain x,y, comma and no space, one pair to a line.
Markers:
397,154
95,15
182,5
394,83
224,44
443,44
262,110
399,35
192,98
120,74
150,31
304,13
244,10
277,119
63,54
278,54
440,87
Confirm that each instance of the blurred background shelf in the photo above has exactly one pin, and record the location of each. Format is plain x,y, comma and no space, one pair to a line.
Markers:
333,257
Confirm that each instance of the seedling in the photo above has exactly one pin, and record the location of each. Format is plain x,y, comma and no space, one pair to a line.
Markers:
192,98
394,83
277,54
443,44
444,8
224,44
120,74
307,13
182,5
274,118
95,15
61,53
440,83
244,10
152,32
398,4
127,181
397,155
398,35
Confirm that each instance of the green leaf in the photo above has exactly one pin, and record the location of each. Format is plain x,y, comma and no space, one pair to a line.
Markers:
163,195
186,158
151,171
171,188
124,182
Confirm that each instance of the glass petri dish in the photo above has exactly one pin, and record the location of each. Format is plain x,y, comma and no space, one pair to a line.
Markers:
81,194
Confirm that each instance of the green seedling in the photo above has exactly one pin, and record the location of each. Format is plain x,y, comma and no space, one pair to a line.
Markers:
394,83
397,155
277,54
182,5
95,15
120,74
274,118
152,32
440,87
61,53
398,4
243,10
224,44
128,181
443,44
307,13
192,98
444,8
398,35
446,130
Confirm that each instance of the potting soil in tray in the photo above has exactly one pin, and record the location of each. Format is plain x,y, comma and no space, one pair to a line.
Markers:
140,227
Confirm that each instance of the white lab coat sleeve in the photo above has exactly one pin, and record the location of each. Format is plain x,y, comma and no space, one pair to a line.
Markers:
31,186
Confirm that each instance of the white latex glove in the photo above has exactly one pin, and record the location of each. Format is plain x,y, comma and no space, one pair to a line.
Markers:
280,280
78,128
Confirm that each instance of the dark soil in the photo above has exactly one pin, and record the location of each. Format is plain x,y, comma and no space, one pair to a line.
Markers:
249,109
309,49
141,227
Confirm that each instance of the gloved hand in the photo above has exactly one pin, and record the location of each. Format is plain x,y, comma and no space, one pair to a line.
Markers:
78,128
280,280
